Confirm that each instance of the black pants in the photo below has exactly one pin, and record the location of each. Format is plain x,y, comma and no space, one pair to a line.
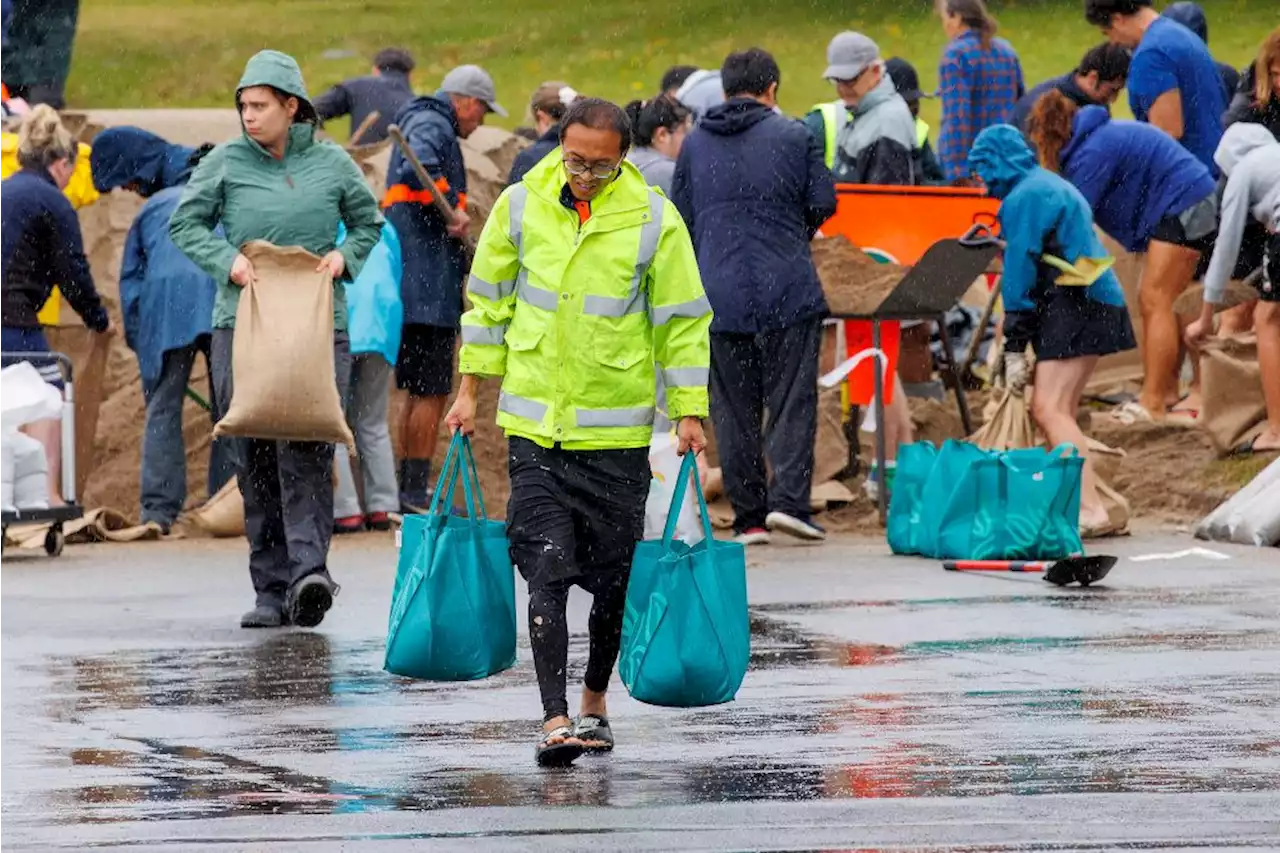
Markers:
574,518
287,488
764,403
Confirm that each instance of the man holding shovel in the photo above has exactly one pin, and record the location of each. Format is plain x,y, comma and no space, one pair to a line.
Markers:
434,258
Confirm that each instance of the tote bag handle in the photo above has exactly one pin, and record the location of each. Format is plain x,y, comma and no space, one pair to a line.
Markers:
688,469
459,460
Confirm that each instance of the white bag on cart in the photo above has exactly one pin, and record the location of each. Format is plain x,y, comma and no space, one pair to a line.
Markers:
30,471
6,474
26,397
664,464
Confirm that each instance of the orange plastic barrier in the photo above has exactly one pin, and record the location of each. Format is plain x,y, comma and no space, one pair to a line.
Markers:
897,224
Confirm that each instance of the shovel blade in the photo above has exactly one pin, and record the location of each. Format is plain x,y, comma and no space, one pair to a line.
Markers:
1081,570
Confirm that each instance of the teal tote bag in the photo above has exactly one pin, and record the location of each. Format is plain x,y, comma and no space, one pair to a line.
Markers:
453,607
915,463
1015,505
686,638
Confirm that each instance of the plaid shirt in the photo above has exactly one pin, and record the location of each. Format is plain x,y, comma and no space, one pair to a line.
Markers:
978,89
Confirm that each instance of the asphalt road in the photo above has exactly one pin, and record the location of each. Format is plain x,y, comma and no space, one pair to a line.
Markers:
890,705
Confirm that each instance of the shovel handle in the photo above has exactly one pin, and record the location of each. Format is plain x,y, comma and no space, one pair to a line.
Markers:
995,566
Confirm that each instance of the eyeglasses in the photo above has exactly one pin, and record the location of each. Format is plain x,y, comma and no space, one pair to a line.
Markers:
598,171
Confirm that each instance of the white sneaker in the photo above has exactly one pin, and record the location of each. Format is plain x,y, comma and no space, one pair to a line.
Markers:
754,536
795,527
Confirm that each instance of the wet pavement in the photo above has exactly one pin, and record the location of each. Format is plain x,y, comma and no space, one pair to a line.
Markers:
890,705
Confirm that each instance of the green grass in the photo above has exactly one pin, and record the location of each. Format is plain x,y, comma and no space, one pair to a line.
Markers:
189,53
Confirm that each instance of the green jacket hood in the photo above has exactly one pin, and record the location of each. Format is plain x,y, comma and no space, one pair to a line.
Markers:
273,68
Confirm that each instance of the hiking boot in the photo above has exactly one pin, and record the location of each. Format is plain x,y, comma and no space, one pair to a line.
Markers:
752,536
415,485
801,528
349,524
379,521
310,599
263,616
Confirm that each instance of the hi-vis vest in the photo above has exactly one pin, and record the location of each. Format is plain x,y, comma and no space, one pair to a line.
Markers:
922,132
576,316
835,115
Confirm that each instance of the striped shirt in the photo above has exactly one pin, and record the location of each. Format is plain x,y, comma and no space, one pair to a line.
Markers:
978,89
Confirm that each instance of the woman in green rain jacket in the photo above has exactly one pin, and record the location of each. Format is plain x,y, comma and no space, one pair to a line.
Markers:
278,183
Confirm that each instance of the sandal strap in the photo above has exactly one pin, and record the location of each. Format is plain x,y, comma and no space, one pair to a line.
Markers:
590,722
565,732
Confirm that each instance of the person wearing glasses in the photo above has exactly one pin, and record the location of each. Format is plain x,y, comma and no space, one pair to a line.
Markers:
434,260
584,286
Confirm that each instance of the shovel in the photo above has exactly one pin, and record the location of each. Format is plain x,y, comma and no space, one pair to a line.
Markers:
1081,570
441,203
1084,272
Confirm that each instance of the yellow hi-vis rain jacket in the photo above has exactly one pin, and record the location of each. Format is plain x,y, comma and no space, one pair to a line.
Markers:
577,317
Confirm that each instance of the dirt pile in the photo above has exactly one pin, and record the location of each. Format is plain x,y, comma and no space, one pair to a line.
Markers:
114,472
852,280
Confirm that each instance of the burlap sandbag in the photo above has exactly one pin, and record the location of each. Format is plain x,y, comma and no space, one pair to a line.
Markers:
1233,410
1008,426
223,514
282,357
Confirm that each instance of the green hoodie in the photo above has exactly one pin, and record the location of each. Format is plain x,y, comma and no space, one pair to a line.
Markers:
297,201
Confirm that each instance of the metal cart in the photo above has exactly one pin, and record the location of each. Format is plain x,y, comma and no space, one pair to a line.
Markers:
55,517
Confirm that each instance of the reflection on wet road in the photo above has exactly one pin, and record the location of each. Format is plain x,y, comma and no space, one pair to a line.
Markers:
972,690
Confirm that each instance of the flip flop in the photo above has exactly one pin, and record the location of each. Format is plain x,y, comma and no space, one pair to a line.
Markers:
560,754
1192,414
594,732
1247,448
1130,413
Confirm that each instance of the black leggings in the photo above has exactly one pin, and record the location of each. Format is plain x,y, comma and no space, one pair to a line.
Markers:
549,637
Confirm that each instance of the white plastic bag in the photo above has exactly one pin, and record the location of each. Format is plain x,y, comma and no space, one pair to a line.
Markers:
1251,516
664,462
27,398
6,451
30,471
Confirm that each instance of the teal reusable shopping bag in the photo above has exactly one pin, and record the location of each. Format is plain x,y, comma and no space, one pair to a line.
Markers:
453,607
1015,505
949,467
686,638
915,463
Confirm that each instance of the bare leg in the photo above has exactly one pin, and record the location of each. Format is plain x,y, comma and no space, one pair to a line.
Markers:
1167,271
420,426
898,428
49,434
1267,323
1059,385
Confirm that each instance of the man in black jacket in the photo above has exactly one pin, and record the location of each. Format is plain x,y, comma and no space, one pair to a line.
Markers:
753,189
383,91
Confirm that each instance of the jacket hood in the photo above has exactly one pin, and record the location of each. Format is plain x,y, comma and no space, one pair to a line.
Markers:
438,103
131,155
735,116
1002,158
1241,140
1191,16
701,91
1087,120
883,92
280,71
628,190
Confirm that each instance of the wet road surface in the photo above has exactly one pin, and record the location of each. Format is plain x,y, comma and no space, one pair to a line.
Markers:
890,705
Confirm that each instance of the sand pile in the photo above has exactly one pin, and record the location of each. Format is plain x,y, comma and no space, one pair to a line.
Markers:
852,280
112,477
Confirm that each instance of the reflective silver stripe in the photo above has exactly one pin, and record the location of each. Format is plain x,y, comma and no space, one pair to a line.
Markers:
493,335
515,205
521,407
488,289
535,296
686,377
615,306
694,308
635,301
642,416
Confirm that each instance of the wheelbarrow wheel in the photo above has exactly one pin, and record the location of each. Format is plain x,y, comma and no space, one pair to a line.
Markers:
54,540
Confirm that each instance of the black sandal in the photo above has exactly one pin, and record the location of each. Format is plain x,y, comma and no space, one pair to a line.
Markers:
594,732
560,754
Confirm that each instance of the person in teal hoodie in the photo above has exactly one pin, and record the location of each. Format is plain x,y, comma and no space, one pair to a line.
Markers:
277,182
1068,327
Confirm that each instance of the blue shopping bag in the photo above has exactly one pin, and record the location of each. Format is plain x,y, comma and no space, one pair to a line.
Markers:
1014,505
453,607
953,460
915,462
686,637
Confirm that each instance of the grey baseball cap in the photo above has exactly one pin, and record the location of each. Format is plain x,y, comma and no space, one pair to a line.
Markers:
848,55
473,82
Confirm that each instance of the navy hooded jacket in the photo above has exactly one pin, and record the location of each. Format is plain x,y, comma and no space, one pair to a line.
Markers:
1132,174
532,156
1040,213
431,288
166,300
754,189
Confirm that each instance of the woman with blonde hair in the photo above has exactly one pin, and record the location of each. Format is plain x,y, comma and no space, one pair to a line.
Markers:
979,81
1154,197
1257,100
42,246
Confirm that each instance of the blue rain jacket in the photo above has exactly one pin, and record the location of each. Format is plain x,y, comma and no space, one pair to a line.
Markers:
375,312
1131,174
1040,213
124,155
